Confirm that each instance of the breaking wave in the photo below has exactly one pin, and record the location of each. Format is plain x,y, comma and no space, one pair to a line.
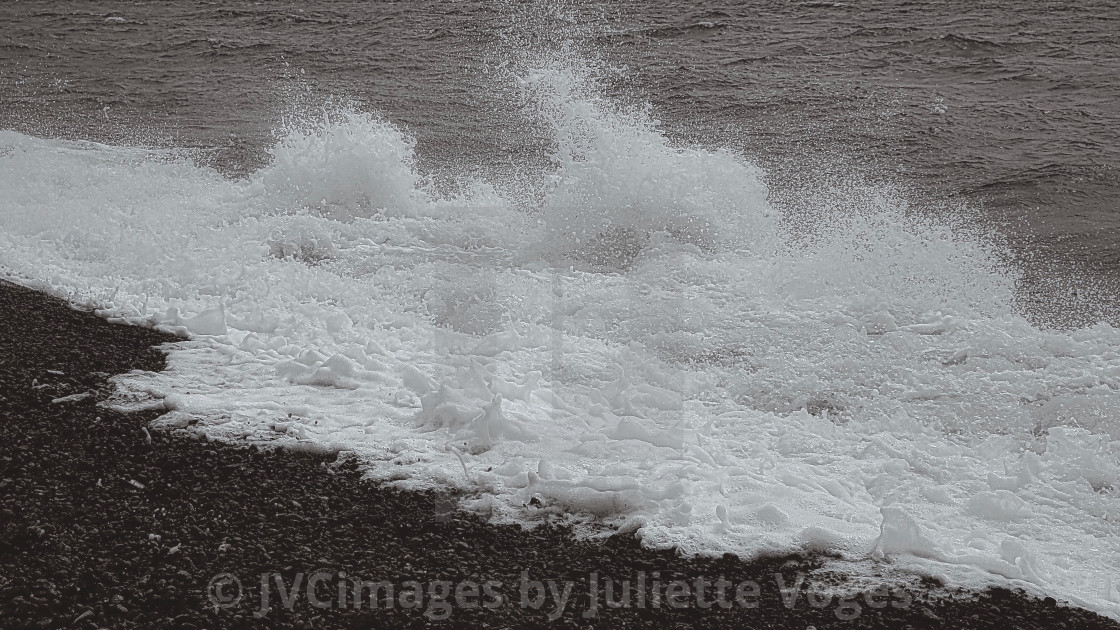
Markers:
643,339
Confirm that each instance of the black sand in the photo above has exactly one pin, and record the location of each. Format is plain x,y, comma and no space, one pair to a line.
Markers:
101,528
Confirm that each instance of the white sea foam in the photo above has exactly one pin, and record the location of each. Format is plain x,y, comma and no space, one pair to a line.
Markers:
650,344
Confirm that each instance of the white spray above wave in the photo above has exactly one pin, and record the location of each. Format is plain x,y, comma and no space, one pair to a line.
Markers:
352,167
619,182
648,344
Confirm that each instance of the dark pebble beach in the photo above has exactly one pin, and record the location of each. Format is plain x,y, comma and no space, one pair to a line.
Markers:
107,524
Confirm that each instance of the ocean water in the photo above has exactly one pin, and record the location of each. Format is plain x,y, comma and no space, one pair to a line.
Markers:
810,276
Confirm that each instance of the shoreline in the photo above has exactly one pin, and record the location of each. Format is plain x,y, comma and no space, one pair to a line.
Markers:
106,523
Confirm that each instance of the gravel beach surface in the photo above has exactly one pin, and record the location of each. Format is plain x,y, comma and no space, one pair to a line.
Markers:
105,523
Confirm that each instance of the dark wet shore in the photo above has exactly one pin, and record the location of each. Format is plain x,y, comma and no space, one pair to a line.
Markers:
103,524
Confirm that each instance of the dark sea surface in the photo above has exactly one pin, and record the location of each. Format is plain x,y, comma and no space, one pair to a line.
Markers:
1011,109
